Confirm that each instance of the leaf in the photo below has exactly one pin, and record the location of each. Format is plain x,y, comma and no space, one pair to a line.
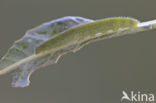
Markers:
45,44
21,59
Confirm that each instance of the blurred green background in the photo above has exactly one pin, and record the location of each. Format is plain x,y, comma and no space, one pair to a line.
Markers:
97,73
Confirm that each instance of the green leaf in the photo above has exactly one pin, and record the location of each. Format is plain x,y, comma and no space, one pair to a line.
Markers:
21,59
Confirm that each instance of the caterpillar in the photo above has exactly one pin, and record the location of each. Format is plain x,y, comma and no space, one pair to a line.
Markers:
85,33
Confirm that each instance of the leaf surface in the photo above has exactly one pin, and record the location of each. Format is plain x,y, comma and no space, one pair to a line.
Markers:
45,44
21,59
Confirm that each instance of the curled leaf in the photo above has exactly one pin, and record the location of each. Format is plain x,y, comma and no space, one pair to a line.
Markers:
45,44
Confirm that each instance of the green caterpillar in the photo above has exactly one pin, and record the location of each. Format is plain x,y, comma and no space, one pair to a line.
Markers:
82,34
